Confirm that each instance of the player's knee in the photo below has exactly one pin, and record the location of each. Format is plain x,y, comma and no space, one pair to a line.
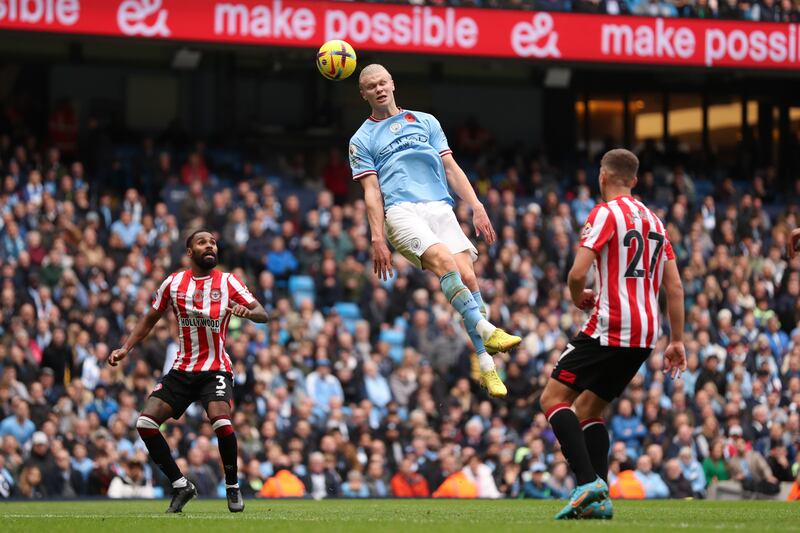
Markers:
551,397
439,260
448,263
469,278
222,425
147,427
546,400
589,406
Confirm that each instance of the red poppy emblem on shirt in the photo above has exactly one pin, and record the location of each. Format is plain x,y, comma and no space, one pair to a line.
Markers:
409,117
198,297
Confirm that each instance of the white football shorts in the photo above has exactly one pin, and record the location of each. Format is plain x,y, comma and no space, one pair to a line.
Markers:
413,227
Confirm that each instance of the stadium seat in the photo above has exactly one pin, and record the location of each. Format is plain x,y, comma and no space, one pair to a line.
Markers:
395,338
301,288
703,188
350,314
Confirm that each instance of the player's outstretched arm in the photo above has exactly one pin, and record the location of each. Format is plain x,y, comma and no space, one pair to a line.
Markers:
582,297
254,311
675,354
140,332
381,256
463,188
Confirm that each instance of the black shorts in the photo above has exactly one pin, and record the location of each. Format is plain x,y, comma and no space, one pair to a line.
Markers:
179,389
604,370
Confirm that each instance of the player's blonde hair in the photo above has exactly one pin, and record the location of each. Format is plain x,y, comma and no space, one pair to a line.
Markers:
621,166
372,68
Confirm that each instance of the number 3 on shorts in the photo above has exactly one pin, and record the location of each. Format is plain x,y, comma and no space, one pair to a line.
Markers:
570,347
221,380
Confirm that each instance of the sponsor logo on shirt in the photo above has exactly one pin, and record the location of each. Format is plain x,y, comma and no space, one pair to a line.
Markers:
403,143
200,322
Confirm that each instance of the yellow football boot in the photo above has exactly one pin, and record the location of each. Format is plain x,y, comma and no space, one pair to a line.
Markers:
491,381
500,341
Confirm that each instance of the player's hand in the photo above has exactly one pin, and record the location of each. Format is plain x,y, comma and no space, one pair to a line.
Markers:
483,226
381,260
586,301
793,243
675,359
116,356
239,310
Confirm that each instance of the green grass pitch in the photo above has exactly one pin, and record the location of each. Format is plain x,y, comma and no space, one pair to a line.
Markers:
405,516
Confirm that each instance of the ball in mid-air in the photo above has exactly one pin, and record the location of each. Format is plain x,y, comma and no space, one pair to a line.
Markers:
336,59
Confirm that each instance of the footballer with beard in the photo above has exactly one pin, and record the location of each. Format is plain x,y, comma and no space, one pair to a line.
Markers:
203,300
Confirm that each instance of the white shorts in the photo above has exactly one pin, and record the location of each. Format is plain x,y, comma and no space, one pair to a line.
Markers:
412,228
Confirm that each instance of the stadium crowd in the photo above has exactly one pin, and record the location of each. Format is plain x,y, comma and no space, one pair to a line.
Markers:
755,10
363,388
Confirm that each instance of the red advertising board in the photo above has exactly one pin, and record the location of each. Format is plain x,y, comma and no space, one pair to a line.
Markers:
414,29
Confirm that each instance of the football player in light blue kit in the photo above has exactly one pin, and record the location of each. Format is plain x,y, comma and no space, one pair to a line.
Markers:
402,160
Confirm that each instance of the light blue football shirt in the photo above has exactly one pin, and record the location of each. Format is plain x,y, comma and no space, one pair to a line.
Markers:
405,151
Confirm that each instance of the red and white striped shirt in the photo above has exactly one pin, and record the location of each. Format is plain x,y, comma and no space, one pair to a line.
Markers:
201,307
632,248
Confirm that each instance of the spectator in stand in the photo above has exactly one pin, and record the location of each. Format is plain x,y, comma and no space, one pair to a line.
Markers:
283,484
534,485
376,386
7,484
201,474
355,487
627,426
692,471
194,170
40,454
30,483
455,484
654,8
714,466
654,486
684,9
376,480
127,229
767,11
281,263
322,387
481,475
320,481
560,482
131,483
407,483
711,373
336,175
19,424
752,470
679,486
778,462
